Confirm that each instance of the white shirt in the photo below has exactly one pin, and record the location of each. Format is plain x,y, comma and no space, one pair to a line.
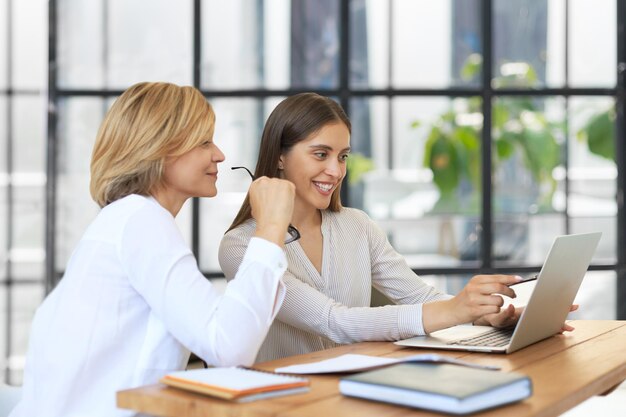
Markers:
131,306
322,310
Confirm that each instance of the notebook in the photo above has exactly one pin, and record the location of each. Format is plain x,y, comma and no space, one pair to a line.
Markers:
544,314
237,384
438,387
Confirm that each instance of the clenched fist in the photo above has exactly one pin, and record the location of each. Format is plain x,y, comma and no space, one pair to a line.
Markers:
271,200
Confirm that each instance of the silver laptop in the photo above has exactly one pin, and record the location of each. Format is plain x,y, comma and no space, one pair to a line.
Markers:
545,312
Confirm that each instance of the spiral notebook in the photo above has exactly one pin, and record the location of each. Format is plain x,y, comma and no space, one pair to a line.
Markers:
236,384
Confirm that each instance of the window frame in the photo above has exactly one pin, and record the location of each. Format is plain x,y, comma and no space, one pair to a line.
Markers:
344,92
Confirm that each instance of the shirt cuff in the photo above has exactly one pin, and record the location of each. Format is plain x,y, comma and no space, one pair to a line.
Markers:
266,253
410,321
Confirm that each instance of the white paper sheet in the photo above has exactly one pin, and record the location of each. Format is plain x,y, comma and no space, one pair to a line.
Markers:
353,362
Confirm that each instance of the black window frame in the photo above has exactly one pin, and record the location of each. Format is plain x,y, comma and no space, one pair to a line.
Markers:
345,93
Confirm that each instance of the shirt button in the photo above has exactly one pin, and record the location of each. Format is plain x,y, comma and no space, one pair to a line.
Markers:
281,265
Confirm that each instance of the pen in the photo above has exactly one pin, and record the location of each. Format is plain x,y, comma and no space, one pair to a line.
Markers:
527,279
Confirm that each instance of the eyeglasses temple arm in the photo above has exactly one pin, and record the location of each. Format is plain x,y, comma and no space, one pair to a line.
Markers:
247,170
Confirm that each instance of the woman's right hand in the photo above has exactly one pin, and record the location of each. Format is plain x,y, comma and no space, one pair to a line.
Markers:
271,200
480,296
477,299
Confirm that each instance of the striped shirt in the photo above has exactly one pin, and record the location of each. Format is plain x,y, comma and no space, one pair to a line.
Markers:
324,310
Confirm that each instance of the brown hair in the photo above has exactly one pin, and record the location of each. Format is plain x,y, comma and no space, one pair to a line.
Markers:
146,124
294,119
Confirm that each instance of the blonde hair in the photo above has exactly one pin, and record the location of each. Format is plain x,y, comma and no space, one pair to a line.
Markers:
146,124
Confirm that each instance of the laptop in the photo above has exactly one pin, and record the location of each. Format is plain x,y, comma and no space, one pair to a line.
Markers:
546,310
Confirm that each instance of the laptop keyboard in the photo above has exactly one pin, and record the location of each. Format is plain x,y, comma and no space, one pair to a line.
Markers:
492,338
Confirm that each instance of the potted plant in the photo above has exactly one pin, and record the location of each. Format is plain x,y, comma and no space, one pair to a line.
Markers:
522,135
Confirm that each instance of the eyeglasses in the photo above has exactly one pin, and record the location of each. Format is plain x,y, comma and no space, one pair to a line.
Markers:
293,232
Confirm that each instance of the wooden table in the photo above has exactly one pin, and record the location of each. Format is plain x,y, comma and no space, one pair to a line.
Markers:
565,371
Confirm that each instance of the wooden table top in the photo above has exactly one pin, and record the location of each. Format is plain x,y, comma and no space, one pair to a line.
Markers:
565,370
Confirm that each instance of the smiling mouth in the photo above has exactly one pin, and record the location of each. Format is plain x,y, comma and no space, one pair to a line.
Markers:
323,187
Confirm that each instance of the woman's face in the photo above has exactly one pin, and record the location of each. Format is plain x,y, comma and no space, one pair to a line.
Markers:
317,165
193,174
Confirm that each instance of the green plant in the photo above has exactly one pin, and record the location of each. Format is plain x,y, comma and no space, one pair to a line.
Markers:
358,164
599,133
520,130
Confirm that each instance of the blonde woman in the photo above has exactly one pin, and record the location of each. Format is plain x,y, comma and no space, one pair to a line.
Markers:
132,303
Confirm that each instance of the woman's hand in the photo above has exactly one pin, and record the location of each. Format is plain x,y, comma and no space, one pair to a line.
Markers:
271,200
510,315
479,298
566,327
478,303
505,318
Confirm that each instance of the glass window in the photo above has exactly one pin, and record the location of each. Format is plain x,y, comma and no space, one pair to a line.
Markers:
4,58
27,251
278,44
4,312
28,179
4,182
593,43
592,172
237,133
530,43
81,44
430,184
238,63
79,119
29,139
25,300
160,50
429,50
370,130
315,45
596,296
520,53
528,136
369,157
161,47
440,137
4,229
22,225
369,44
29,48
4,135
